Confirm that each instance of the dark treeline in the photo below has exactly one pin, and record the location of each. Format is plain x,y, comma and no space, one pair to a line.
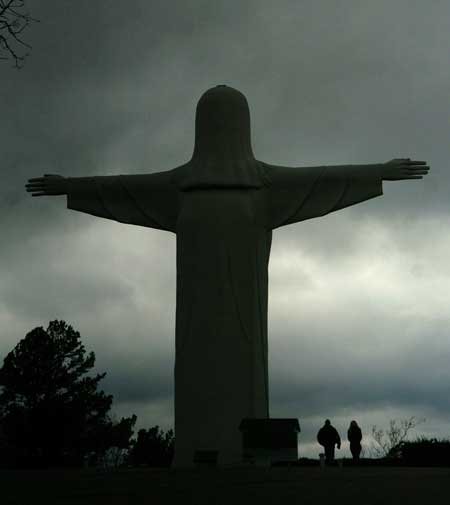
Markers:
424,452
52,413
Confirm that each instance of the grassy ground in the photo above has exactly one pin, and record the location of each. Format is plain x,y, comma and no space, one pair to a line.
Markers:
346,486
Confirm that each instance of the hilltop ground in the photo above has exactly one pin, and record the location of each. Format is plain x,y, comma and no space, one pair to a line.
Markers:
306,486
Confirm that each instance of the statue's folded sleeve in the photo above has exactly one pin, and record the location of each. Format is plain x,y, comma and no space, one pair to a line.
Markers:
149,200
297,194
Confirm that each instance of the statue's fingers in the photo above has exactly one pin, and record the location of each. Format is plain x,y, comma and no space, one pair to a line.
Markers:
33,187
36,179
414,168
415,177
39,194
416,162
411,173
418,171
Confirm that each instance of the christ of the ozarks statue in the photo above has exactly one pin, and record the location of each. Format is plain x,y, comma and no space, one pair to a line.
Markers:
223,205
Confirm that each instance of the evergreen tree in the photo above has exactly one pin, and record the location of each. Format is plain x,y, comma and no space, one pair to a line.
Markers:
51,412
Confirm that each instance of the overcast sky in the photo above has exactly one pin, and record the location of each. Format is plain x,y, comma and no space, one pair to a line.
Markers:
359,321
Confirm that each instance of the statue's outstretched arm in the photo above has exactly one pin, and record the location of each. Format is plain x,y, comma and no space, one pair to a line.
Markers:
398,169
84,194
296,194
149,200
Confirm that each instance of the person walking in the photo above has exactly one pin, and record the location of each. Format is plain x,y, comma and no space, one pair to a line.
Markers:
354,436
328,437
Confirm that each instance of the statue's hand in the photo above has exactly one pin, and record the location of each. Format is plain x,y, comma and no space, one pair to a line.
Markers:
48,185
403,168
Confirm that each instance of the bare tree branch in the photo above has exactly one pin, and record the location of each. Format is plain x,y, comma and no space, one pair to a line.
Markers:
14,18
388,441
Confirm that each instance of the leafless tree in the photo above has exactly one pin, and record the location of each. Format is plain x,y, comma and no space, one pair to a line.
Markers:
387,441
14,19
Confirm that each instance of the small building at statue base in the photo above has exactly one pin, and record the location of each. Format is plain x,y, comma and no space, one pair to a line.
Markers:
268,441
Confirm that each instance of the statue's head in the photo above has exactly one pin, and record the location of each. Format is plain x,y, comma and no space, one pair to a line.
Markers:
223,155
222,125
327,422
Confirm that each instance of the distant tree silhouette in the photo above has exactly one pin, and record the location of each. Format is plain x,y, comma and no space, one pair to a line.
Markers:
153,447
14,19
388,441
50,411
425,452
113,442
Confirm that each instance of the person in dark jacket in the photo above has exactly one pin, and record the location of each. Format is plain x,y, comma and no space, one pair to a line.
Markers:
328,437
354,436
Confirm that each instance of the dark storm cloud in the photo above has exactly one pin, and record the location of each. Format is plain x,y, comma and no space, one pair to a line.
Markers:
112,89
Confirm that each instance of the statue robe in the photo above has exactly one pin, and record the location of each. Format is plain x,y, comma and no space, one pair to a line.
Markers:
224,235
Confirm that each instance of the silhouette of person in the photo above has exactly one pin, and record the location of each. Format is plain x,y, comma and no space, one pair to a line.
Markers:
328,437
354,436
